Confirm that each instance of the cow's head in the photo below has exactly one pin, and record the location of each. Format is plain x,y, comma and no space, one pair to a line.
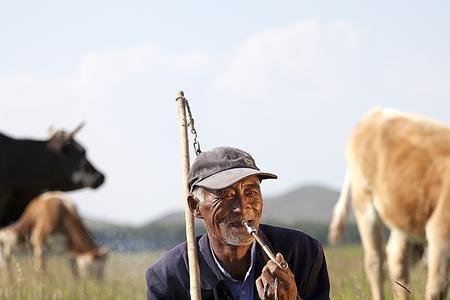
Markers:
90,264
74,169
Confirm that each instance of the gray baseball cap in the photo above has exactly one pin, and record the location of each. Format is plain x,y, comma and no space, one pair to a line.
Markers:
221,167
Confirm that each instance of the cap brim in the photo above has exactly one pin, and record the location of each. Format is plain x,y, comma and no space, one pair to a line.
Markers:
229,177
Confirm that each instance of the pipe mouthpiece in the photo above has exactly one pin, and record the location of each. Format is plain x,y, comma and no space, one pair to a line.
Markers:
249,227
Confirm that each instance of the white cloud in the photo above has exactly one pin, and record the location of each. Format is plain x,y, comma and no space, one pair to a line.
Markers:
98,72
344,33
27,90
34,96
290,55
120,64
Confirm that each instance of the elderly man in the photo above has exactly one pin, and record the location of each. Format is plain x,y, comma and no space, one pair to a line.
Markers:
224,186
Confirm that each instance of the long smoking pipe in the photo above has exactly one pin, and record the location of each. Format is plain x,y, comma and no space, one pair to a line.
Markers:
252,231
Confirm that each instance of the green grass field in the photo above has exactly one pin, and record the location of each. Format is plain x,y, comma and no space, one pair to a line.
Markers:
346,268
125,278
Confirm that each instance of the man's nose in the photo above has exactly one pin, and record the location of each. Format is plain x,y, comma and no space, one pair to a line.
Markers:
240,205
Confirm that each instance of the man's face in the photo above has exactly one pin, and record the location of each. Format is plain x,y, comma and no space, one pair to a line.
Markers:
224,210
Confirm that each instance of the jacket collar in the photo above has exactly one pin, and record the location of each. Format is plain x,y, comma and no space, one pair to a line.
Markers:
210,275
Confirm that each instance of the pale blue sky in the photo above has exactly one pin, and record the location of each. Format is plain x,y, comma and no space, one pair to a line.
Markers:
284,80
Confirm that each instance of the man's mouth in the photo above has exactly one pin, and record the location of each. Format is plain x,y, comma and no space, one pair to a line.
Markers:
235,224
239,223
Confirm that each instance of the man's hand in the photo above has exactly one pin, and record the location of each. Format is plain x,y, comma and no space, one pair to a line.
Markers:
274,283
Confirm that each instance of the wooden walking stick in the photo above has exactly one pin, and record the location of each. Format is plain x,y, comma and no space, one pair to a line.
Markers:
194,271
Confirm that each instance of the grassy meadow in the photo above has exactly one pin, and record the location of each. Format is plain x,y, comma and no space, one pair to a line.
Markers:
125,278
347,277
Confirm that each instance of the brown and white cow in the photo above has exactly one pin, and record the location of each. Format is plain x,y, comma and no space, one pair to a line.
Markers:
50,214
399,174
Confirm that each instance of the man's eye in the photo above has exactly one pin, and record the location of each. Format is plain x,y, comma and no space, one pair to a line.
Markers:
225,197
252,193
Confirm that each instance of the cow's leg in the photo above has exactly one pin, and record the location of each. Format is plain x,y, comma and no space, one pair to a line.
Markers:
370,230
37,242
397,257
74,266
438,237
8,240
2,258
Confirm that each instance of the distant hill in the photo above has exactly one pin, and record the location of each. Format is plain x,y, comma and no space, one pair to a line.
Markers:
309,203
98,225
172,218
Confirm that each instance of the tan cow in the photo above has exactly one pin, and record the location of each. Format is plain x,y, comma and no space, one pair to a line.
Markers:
53,213
399,174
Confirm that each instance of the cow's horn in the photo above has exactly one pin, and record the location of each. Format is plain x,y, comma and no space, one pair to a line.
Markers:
72,134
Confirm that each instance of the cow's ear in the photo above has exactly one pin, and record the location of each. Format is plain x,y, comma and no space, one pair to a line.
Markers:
55,145
193,206
102,251
57,141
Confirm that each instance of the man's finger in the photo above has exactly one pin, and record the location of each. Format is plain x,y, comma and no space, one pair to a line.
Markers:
276,271
260,287
266,275
279,258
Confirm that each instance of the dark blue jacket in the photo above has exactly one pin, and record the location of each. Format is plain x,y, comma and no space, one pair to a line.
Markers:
168,278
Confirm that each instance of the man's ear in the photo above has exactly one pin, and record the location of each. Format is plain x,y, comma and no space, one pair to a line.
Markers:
193,206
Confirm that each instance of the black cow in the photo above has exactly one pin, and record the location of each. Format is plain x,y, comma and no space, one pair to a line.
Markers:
29,167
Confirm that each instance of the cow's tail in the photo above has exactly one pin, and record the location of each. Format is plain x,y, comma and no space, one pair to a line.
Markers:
340,213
